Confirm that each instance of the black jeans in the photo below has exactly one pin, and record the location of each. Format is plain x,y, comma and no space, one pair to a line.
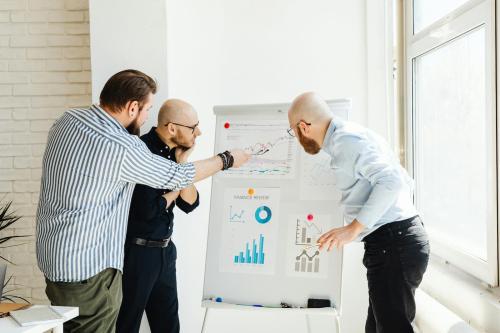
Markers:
396,257
149,283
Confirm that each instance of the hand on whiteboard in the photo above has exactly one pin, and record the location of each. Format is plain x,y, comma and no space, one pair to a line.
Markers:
340,236
182,154
240,157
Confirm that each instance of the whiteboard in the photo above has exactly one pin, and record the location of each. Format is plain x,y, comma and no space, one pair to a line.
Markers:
264,216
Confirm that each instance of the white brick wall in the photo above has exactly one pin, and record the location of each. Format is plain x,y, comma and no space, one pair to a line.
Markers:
44,69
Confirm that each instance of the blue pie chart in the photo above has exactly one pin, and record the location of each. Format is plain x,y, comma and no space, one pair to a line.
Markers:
260,218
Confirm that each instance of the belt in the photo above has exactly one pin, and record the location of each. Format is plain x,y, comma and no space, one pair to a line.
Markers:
150,243
392,228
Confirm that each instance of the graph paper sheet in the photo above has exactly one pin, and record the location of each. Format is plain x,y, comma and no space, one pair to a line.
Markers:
250,230
266,217
273,152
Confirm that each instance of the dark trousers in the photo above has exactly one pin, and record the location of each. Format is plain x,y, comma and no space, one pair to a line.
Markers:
396,257
149,283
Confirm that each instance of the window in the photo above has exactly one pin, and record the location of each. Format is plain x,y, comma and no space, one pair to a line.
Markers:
452,130
426,12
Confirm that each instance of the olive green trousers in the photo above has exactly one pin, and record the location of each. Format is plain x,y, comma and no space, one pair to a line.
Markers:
98,298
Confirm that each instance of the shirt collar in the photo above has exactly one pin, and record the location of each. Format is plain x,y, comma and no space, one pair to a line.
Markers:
157,141
327,141
106,117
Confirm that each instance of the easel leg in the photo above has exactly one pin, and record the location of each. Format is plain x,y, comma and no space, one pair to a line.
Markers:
308,324
337,324
204,326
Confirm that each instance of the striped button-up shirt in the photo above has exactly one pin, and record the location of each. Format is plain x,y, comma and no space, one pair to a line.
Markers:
90,167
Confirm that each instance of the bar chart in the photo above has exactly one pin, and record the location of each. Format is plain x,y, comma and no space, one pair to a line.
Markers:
307,263
249,219
306,233
254,255
303,255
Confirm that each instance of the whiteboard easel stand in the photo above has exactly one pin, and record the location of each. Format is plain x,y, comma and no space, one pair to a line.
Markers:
303,311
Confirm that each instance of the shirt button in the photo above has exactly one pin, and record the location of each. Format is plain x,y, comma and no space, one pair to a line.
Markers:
399,232
383,251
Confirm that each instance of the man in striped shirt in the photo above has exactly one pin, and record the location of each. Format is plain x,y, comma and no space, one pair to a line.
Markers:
90,167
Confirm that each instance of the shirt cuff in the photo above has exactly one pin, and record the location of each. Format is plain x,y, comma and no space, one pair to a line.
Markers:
189,172
185,206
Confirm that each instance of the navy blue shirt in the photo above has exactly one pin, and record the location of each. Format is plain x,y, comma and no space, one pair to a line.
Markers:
149,216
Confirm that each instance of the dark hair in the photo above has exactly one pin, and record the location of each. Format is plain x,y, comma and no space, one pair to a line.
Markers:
125,86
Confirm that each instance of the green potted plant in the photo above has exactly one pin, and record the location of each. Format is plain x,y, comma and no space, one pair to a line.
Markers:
7,219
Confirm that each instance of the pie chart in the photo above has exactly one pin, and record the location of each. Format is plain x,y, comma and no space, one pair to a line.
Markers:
263,214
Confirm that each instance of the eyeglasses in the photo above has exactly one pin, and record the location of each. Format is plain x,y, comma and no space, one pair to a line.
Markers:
193,128
290,130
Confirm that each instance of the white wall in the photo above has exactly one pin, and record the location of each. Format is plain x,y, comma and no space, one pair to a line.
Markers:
128,34
236,52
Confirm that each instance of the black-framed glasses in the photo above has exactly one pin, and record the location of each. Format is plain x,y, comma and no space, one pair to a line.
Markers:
193,128
290,130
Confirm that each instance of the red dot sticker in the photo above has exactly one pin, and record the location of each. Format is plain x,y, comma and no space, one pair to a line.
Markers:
226,125
310,217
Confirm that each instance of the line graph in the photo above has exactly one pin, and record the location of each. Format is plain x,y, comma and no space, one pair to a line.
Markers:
249,232
318,171
259,149
307,263
303,256
273,152
319,178
236,217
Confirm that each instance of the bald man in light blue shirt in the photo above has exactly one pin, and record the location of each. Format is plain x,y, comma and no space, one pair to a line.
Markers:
377,198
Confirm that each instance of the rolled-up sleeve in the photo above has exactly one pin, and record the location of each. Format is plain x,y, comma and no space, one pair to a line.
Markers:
384,178
185,206
141,166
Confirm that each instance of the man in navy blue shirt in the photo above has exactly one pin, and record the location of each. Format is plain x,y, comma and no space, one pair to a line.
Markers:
149,274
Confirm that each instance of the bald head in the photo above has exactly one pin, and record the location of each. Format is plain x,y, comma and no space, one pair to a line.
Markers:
182,120
177,111
309,107
309,117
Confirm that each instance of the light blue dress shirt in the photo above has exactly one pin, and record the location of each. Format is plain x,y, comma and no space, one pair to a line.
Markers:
375,188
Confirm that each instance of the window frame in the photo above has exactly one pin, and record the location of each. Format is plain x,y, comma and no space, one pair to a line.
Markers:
461,21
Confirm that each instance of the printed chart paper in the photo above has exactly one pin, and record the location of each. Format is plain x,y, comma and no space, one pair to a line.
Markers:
303,258
249,230
273,151
318,179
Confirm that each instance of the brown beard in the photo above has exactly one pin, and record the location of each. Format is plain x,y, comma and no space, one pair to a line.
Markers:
134,128
310,146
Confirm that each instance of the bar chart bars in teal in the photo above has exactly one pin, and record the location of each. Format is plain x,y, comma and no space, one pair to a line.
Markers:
253,254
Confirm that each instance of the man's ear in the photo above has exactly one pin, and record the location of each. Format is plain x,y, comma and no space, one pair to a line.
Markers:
171,129
303,128
132,108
